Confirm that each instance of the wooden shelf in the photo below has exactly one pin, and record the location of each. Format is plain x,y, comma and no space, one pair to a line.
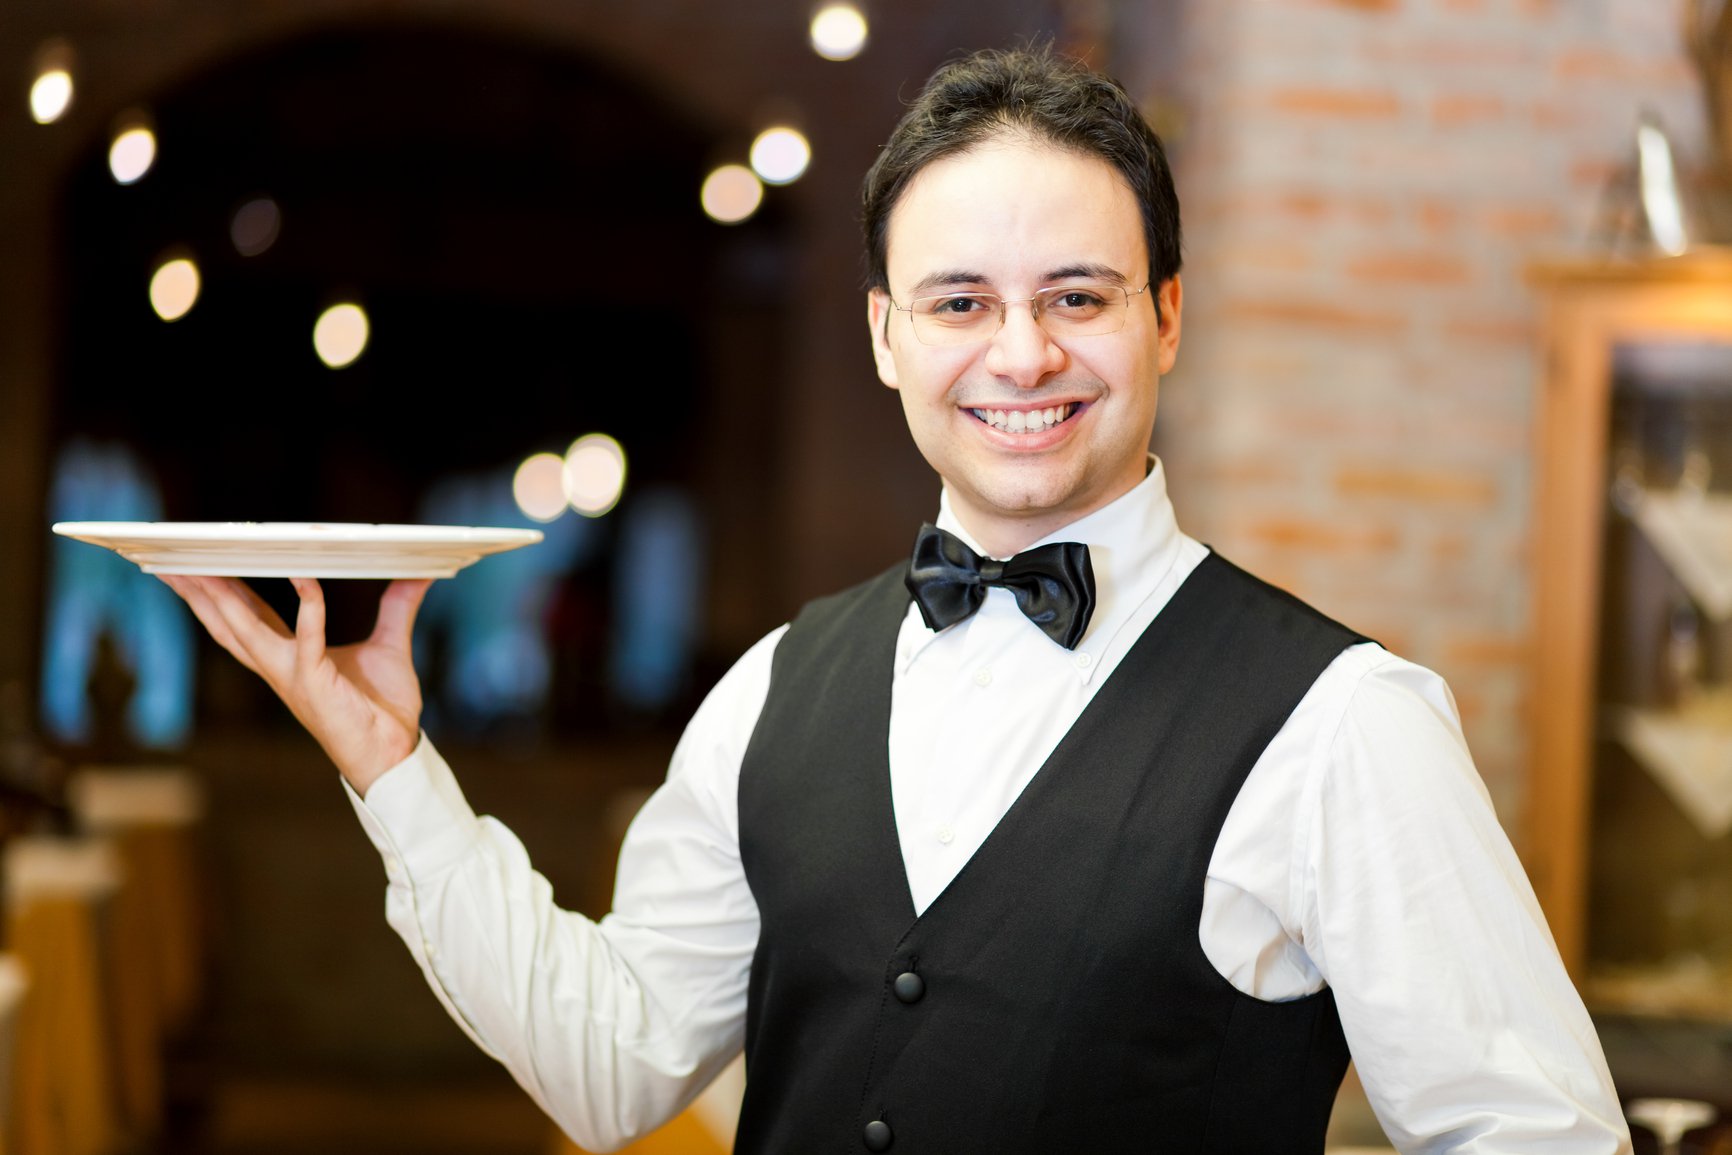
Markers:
1590,307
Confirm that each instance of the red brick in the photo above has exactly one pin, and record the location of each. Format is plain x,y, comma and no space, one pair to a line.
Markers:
1524,220
1597,64
1286,258
1469,704
1487,434
1308,206
1464,109
1449,548
1557,114
1419,267
1492,330
1324,535
1438,217
1371,210
1434,54
1335,424
1426,486
1372,103
1595,172
1498,650
1249,473
1314,313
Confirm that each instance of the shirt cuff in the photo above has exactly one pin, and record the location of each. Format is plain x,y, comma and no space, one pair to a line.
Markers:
416,816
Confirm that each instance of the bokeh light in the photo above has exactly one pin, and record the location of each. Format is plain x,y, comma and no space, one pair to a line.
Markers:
132,154
780,155
255,226
732,193
50,95
539,486
594,474
51,91
838,32
340,334
174,288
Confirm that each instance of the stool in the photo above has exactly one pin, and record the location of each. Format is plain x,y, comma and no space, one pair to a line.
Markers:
14,986
58,895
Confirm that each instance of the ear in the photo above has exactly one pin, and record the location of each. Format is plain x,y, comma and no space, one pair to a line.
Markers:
879,314
1170,300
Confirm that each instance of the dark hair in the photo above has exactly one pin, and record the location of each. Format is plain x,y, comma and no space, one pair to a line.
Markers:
969,101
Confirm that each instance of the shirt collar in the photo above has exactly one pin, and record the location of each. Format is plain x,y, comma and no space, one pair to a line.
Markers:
1133,542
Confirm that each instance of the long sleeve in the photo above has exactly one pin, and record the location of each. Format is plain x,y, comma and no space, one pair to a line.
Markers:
1465,1028
611,1027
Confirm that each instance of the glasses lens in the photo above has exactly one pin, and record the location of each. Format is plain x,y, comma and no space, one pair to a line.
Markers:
955,318
1082,310
1064,311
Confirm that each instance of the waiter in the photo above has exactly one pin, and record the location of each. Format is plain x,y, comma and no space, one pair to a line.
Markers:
1063,835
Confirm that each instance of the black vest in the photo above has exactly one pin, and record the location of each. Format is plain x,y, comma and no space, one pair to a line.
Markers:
1060,999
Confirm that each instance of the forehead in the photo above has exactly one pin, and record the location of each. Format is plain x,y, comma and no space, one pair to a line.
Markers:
1013,208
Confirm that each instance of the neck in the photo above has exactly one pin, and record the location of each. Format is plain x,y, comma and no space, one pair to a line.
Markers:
999,537
1001,534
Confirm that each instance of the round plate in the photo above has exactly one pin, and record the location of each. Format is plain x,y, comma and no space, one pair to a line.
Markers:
298,548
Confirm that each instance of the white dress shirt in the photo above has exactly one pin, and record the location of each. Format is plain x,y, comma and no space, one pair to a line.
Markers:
1362,852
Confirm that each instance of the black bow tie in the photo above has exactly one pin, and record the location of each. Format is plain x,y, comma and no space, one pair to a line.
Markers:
1054,585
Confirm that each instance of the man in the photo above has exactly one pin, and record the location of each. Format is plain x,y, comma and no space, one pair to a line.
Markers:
1067,836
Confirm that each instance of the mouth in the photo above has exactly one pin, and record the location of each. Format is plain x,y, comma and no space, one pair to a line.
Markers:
1027,420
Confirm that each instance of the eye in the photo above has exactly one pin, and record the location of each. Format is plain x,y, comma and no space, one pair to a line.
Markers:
955,307
1077,302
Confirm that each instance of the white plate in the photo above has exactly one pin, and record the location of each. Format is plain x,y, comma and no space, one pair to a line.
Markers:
298,548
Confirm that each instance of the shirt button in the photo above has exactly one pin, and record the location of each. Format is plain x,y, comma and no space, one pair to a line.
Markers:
877,1136
945,835
983,677
1083,660
391,864
431,950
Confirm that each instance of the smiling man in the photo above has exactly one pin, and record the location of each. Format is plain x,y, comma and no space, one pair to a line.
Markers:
1065,835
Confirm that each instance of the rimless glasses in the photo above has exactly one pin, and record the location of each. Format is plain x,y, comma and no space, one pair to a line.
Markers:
1075,310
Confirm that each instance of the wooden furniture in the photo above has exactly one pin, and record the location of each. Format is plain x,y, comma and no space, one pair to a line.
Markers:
58,894
1590,308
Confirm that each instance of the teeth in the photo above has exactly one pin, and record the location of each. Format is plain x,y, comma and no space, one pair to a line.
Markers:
1024,421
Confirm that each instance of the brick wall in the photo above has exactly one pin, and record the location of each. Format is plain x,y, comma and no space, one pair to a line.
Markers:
1365,182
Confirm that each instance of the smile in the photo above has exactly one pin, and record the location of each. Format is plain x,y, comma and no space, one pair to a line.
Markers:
1026,420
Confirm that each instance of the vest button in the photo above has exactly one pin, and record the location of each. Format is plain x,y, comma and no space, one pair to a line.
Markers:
877,1136
909,987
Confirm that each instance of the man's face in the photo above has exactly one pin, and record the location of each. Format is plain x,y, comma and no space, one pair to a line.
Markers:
1010,217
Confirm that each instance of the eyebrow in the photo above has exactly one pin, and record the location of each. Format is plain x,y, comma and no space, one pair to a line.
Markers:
955,278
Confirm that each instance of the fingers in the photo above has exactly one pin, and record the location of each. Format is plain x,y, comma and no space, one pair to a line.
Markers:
397,610
309,624
193,592
241,622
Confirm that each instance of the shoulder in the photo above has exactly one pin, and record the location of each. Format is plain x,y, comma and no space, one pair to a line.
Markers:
1370,693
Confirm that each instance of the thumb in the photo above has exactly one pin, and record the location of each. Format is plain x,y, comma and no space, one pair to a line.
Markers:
397,610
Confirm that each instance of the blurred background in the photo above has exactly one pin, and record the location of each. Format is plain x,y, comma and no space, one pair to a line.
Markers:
1457,369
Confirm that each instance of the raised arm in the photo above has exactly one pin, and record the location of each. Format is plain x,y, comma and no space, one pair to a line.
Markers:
612,1027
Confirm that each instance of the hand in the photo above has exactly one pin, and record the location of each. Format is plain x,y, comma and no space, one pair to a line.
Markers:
362,702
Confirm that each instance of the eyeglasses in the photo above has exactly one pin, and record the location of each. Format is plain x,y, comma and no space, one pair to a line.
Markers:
1085,310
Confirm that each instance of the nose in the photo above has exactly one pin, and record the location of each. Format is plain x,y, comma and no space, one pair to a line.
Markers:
1022,351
